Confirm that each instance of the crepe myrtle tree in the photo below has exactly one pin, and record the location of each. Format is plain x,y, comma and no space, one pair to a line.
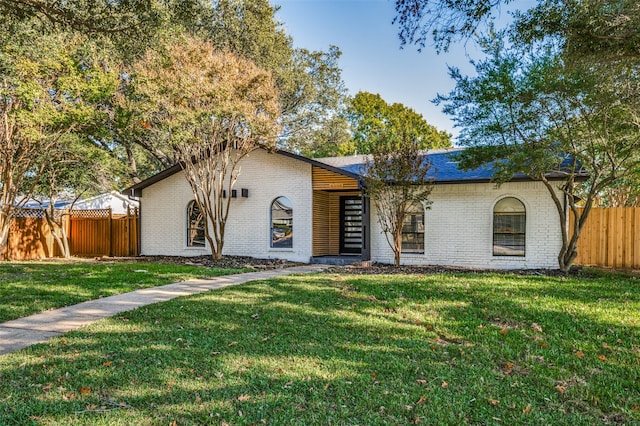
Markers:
214,108
397,180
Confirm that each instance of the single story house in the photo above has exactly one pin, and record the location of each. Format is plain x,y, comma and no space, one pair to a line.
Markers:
300,209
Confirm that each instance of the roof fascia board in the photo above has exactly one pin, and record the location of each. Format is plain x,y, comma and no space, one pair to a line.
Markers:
136,190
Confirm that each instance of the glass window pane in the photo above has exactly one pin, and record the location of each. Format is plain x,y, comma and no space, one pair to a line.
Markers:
281,223
195,226
413,232
509,228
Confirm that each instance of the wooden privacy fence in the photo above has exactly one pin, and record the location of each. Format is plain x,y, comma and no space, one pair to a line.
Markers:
611,238
91,233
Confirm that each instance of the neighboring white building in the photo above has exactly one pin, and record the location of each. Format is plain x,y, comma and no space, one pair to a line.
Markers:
116,201
300,209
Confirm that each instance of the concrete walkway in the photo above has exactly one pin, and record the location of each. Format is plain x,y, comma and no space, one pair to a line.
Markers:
23,332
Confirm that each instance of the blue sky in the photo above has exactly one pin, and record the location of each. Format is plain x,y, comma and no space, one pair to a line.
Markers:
371,59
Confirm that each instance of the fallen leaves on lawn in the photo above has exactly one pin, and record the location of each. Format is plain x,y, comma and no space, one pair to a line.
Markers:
444,384
232,344
602,357
493,401
507,368
503,331
526,410
422,400
85,390
579,354
243,398
536,327
106,364
607,347
561,389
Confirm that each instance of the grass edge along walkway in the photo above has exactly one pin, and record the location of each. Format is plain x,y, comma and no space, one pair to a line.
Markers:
20,333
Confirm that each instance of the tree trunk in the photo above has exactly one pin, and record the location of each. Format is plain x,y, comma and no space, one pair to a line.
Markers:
57,230
397,249
5,227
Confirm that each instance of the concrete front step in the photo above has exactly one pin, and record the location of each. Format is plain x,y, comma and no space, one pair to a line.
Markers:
336,260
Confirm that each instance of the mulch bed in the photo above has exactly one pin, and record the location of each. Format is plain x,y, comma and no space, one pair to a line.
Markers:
364,268
384,269
208,262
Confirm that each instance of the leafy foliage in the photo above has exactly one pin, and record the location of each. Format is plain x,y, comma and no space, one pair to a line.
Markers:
374,121
212,109
531,113
396,180
445,21
50,93
131,24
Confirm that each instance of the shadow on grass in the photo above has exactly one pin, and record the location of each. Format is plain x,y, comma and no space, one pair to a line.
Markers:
335,349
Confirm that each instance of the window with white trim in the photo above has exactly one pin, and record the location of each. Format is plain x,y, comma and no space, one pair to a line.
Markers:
509,227
281,223
413,231
195,225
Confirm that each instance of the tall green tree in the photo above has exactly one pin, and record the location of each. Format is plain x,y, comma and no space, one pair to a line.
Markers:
599,29
373,121
528,112
131,24
312,96
51,87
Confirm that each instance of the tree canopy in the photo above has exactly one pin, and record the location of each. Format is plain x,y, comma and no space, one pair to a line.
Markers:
529,112
51,92
374,121
211,108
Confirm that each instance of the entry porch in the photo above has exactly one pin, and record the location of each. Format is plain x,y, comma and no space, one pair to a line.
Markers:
340,219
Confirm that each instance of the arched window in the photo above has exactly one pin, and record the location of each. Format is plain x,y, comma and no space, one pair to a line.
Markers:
281,223
413,230
509,227
195,225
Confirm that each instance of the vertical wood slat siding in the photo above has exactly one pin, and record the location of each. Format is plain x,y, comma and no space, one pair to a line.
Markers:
90,234
320,246
327,188
610,238
326,222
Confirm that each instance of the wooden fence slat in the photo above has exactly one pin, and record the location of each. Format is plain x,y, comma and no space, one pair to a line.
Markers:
91,233
611,238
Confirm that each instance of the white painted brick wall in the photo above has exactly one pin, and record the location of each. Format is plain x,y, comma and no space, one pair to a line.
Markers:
266,176
459,228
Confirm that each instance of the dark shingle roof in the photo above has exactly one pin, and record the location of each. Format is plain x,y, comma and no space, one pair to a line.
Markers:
444,167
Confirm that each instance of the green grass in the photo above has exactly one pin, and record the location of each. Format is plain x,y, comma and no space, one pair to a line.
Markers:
30,287
329,349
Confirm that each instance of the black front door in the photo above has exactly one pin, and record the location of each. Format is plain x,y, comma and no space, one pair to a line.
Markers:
350,225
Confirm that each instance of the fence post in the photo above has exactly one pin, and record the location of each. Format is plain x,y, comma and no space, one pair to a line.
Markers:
110,233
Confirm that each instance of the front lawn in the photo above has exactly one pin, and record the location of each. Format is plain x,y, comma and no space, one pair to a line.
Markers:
340,349
30,287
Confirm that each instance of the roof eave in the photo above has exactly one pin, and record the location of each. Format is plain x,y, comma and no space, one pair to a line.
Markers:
136,190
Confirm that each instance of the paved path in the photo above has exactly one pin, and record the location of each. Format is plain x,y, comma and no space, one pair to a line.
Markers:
23,332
